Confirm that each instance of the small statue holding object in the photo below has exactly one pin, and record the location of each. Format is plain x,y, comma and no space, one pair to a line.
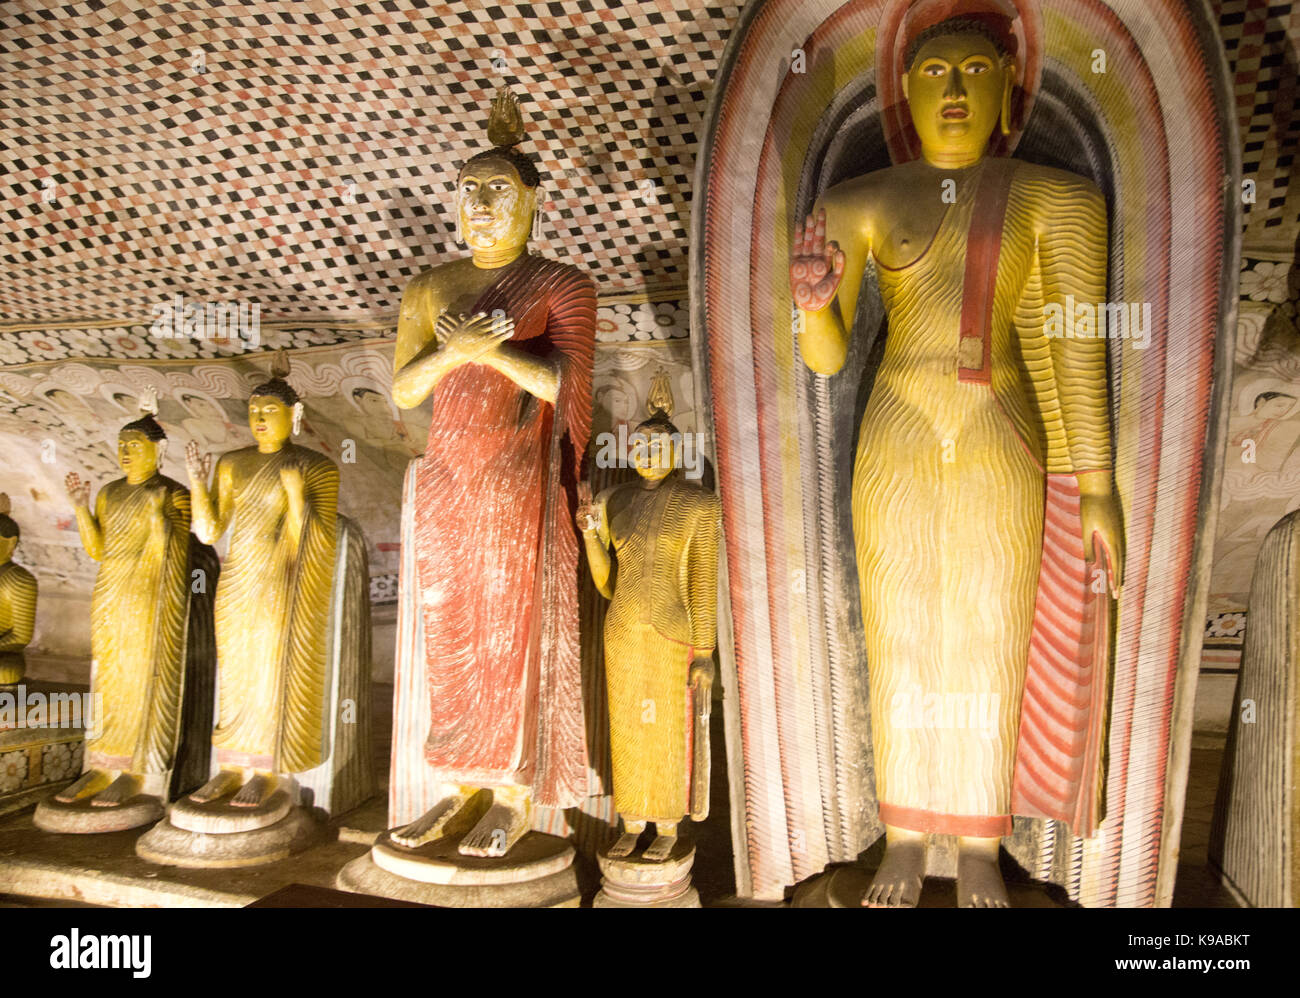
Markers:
660,631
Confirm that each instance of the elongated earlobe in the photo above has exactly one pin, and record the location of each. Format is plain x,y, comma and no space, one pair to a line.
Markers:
297,418
1005,119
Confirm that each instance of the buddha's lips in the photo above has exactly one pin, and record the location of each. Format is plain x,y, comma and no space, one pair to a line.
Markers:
955,112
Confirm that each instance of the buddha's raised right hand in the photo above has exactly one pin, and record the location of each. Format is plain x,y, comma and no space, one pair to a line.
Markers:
587,516
78,491
815,265
198,464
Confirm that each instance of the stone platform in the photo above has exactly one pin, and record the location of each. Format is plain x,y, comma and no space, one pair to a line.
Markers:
42,735
105,870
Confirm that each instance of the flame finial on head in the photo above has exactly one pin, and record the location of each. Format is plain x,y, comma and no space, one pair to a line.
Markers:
660,397
505,123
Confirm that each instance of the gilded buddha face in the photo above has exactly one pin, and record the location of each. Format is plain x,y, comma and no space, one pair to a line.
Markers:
137,455
7,547
270,419
956,90
495,206
653,454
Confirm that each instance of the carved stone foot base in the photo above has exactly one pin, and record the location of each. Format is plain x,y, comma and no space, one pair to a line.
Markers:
221,817
536,873
636,882
170,845
80,817
846,886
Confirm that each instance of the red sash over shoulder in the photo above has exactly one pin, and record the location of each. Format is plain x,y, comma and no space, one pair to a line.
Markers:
1058,771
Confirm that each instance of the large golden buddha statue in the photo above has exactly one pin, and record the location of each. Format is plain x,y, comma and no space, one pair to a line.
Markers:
139,532
17,602
279,501
974,407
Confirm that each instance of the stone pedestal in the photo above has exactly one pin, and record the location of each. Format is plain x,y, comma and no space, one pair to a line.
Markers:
42,739
81,817
636,882
217,835
537,873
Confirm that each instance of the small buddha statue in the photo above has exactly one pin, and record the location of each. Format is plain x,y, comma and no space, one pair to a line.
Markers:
139,532
279,501
17,602
652,547
973,409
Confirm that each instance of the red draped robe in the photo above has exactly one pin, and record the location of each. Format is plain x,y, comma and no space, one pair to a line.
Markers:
496,549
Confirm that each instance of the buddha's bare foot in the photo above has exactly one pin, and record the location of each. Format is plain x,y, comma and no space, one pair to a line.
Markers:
433,824
216,788
122,789
255,792
897,883
87,785
625,844
499,829
659,850
979,881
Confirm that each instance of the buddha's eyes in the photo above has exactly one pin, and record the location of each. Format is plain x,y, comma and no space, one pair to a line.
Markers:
976,68
934,69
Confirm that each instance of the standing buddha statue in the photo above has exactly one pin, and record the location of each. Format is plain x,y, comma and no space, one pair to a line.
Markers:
502,341
980,428
139,532
279,501
660,632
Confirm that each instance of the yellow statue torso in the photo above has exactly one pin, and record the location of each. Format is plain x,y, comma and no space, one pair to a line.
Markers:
662,617
17,619
948,485
272,606
138,610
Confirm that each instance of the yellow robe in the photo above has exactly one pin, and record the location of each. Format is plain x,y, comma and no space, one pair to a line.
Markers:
272,605
17,619
948,500
137,624
663,616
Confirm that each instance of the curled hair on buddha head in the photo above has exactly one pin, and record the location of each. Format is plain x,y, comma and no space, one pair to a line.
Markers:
8,526
146,424
505,130
279,388
994,27
659,405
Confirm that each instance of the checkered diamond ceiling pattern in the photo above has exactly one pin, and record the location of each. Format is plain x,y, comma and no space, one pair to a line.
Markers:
302,157
303,154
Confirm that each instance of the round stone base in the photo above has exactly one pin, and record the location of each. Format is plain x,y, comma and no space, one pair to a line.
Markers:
556,890
168,845
222,818
636,882
534,856
80,817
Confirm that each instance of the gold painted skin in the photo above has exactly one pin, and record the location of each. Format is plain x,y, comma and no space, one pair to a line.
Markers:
17,613
936,454
659,634
272,603
494,211
139,532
